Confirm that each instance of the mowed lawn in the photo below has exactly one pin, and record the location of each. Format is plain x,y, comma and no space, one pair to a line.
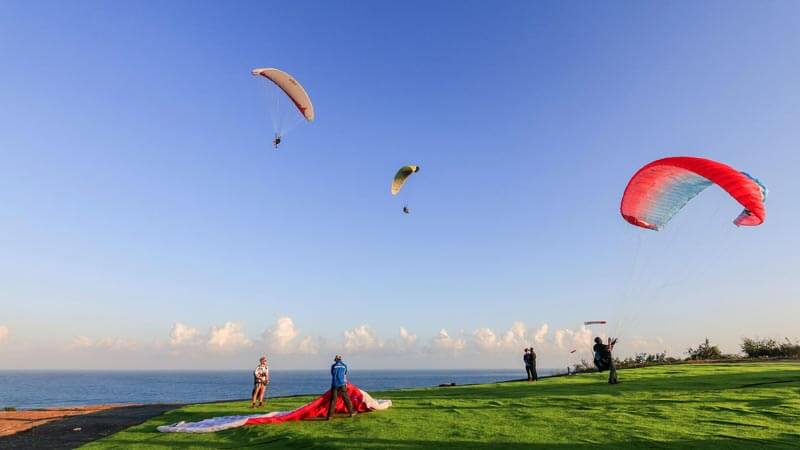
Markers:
719,406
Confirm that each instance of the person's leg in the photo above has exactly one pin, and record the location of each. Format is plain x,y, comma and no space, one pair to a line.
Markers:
612,373
332,407
528,372
260,394
346,399
254,395
535,375
265,391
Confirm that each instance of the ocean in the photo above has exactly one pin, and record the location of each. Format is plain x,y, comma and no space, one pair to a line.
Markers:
40,389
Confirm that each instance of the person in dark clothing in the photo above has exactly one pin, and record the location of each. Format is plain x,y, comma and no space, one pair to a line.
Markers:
603,358
530,364
339,386
527,360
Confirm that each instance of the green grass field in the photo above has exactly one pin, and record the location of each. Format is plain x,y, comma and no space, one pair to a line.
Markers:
717,406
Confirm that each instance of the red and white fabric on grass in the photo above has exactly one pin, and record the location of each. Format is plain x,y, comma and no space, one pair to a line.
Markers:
361,400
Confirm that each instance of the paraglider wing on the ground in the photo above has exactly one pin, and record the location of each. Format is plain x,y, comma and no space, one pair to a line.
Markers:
401,176
661,188
293,89
361,400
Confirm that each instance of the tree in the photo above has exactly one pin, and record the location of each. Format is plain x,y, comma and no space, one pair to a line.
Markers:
704,351
769,348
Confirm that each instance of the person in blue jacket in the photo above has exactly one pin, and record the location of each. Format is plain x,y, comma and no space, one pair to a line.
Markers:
339,386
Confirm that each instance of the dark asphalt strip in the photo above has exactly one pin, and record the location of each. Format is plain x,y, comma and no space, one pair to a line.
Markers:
61,434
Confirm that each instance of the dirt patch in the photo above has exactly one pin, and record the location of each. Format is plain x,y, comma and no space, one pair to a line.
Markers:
66,431
15,421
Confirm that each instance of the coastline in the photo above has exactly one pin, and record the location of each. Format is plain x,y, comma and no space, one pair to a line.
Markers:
20,421
69,427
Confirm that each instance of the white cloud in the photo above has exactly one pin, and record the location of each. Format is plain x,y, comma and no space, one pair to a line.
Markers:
280,337
364,339
540,334
361,339
79,342
407,340
284,338
642,345
3,333
309,345
566,339
485,339
108,344
182,334
228,338
513,340
442,342
115,344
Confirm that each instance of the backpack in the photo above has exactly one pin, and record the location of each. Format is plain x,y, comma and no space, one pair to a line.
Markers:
602,362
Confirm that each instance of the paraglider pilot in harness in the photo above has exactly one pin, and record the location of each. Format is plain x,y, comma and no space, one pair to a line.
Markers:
277,141
603,359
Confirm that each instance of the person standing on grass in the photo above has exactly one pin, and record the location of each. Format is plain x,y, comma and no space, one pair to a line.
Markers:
339,386
603,358
533,375
260,382
527,360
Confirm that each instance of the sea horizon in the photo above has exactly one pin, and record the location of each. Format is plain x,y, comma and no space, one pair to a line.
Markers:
38,388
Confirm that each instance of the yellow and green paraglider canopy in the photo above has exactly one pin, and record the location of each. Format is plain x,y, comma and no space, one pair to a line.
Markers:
401,176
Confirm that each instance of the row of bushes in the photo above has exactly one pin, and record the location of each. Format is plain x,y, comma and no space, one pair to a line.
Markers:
769,348
751,348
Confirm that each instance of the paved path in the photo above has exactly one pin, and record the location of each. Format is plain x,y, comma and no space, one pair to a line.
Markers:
60,434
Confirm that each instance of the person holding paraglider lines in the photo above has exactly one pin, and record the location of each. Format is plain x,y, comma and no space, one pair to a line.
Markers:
603,359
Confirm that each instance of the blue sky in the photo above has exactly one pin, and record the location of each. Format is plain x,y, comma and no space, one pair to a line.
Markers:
139,189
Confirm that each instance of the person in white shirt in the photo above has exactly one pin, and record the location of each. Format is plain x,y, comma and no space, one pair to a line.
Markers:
260,382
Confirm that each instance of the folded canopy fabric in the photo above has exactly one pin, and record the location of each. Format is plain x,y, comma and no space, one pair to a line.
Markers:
361,400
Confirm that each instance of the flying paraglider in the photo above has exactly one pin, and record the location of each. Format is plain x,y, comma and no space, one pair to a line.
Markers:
296,94
400,179
661,188
401,176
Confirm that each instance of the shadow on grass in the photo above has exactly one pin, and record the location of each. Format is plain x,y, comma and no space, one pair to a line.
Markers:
786,441
74,431
716,394
688,383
